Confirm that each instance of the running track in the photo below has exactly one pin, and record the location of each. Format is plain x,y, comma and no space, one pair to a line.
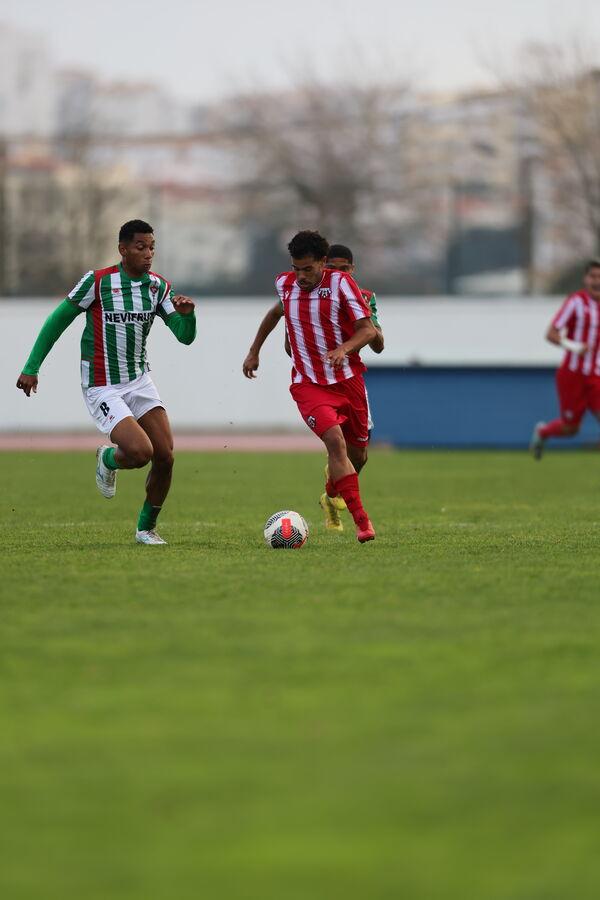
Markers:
275,443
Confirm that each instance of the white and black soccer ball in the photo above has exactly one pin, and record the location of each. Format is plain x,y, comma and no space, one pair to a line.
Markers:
286,530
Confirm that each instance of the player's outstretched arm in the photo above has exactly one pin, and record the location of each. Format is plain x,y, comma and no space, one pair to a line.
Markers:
251,363
57,322
27,383
554,336
377,344
364,333
184,305
182,322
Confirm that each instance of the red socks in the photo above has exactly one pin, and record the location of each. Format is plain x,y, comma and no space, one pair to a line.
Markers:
348,488
552,429
330,490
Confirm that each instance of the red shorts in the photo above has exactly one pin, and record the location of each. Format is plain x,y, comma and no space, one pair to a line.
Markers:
345,403
577,393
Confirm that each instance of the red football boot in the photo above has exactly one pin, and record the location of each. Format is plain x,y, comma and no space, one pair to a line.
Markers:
365,534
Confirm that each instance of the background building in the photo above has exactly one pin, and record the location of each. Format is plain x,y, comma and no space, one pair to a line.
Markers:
476,192
28,87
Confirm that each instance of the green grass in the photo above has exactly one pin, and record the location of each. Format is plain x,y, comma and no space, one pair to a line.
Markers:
414,718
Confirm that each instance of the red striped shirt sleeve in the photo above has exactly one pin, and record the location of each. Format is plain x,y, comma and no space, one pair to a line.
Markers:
565,313
279,283
354,300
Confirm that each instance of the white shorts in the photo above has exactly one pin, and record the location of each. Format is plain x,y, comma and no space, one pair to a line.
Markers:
112,403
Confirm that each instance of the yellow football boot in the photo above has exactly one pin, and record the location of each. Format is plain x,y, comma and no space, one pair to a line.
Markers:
332,516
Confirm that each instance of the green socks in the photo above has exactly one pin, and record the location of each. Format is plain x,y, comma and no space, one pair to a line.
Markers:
148,513
108,458
148,517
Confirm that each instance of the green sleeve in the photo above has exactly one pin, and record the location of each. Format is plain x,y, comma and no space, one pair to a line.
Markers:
373,305
53,327
183,327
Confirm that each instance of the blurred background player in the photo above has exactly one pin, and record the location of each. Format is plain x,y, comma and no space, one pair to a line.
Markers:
341,259
121,303
327,322
576,328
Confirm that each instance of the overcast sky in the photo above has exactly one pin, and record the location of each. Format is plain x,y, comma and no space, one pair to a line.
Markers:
204,49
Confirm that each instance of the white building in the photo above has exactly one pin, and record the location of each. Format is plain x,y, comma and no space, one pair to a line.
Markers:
117,110
27,86
133,110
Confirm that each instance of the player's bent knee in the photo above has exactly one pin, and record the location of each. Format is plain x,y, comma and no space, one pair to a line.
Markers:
359,463
336,448
334,440
357,456
141,458
163,459
139,455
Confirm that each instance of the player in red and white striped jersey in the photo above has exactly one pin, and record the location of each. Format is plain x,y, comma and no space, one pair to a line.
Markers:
341,259
576,328
328,322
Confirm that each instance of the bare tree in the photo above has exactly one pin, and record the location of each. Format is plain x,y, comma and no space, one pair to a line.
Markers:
94,194
329,156
560,89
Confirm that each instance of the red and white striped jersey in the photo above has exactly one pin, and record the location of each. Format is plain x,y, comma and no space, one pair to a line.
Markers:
580,316
321,320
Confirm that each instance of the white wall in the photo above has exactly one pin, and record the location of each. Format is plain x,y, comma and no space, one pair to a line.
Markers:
451,331
203,386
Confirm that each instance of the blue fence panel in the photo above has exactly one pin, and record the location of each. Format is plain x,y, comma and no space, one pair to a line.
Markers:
473,406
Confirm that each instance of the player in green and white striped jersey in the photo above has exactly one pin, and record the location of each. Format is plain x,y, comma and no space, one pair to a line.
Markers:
121,303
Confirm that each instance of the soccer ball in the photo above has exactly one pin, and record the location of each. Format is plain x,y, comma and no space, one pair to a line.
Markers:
286,530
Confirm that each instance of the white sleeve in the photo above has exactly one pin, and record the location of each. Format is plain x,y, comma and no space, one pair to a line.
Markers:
166,301
83,293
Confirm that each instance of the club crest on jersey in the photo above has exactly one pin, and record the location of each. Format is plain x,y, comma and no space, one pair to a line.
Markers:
116,290
154,288
325,293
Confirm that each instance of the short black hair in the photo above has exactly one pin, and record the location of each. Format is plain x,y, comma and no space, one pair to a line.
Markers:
128,231
592,264
340,251
308,243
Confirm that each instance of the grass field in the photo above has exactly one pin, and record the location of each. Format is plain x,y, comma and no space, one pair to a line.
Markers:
415,718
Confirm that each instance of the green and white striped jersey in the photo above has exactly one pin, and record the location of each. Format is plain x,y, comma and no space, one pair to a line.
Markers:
119,315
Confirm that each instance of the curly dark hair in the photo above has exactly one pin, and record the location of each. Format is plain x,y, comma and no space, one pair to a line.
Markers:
128,231
308,243
592,264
